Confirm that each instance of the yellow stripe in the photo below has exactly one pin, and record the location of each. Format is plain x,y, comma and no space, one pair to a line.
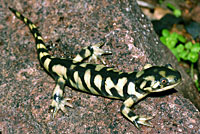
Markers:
99,67
129,102
140,73
108,85
162,73
43,54
143,84
78,58
87,78
35,35
79,82
120,85
46,64
150,78
18,14
72,67
109,69
30,26
41,46
83,65
87,53
59,70
40,38
25,20
33,26
98,81
132,91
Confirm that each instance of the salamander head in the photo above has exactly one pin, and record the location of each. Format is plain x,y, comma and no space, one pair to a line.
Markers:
158,78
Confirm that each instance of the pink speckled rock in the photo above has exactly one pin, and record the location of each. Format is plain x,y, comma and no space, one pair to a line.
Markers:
26,89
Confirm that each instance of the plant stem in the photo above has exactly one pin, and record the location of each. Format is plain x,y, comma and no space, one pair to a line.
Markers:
192,70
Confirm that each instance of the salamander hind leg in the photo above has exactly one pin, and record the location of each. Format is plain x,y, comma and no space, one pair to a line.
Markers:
93,52
59,102
130,115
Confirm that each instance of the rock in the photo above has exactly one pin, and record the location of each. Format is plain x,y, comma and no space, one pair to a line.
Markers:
26,89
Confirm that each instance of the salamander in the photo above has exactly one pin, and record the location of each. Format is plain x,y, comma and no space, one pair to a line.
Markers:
97,79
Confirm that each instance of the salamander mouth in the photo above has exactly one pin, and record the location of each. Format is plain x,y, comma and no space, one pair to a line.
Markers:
166,88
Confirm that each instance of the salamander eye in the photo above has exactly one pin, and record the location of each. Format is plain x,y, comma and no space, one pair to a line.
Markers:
163,80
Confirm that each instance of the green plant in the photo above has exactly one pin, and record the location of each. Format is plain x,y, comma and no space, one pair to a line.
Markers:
176,11
197,84
160,1
186,51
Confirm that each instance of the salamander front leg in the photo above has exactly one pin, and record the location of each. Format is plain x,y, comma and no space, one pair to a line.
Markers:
58,101
130,115
98,52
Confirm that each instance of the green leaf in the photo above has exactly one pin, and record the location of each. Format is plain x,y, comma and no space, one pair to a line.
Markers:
177,12
181,38
193,57
165,33
174,51
163,40
188,45
195,48
183,55
180,48
174,35
197,84
198,44
171,42
171,6
160,1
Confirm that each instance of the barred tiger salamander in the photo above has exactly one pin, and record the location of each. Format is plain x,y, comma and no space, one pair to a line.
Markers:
100,80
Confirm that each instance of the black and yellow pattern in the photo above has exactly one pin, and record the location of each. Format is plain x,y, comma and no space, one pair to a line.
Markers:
100,80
